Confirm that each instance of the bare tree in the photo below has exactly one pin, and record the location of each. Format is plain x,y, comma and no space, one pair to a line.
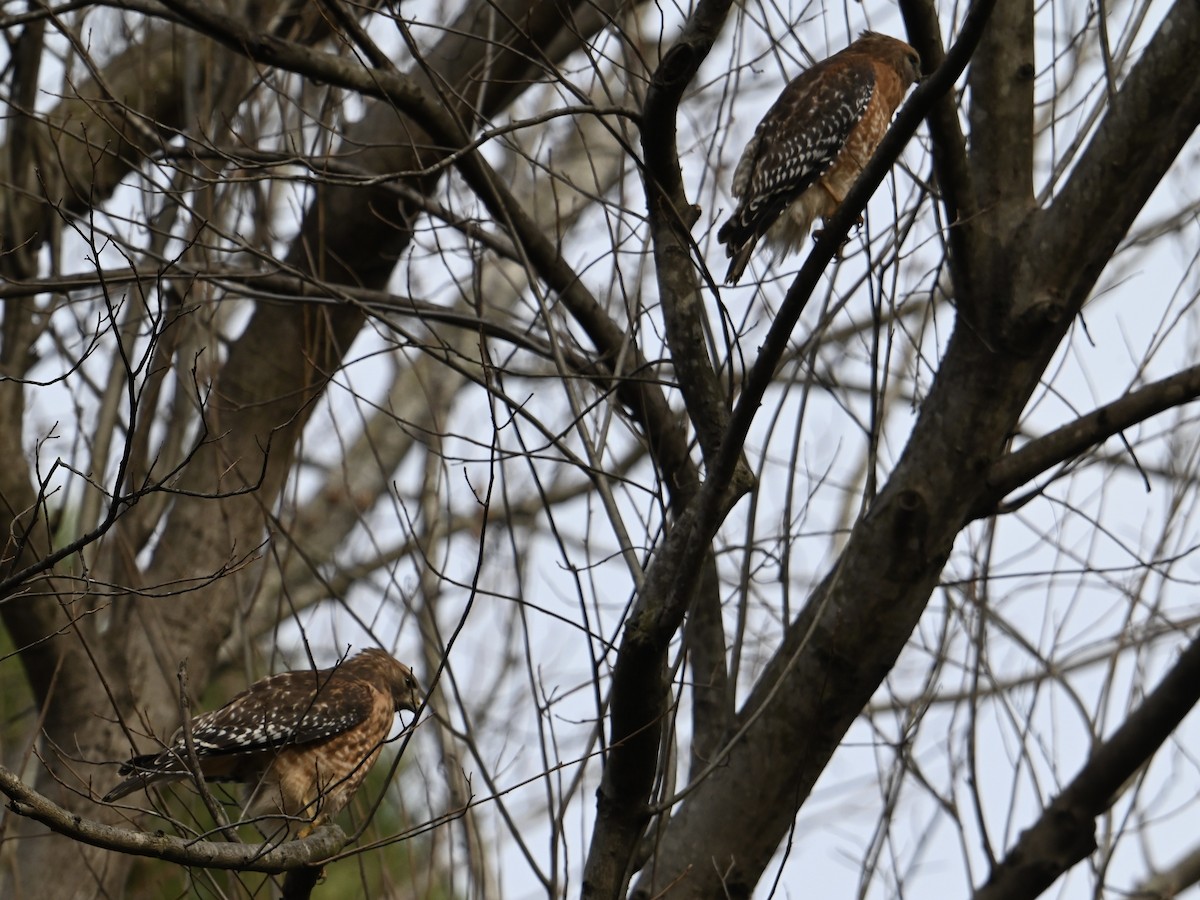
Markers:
333,324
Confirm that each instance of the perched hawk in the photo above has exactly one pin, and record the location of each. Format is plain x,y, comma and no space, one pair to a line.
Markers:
302,741
812,144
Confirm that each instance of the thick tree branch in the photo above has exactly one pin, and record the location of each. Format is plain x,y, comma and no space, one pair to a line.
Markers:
947,141
671,218
1001,117
1066,831
712,695
1000,159
1154,113
24,801
647,403
1075,438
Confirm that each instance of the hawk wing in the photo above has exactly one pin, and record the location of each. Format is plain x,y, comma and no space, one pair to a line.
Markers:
286,709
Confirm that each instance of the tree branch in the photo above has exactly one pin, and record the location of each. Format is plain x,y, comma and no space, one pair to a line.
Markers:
671,218
1018,468
1066,831
948,143
647,404
321,845
1152,116
1171,882
1001,116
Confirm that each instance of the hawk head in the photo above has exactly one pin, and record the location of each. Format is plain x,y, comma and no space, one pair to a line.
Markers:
406,693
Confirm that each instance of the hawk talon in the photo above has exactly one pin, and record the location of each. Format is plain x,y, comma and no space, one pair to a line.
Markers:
839,253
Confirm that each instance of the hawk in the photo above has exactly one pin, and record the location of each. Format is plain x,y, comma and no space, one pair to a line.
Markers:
813,143
302,741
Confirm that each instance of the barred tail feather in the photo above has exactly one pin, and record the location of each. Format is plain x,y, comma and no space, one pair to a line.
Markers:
138,782
741,258
144,771
739,238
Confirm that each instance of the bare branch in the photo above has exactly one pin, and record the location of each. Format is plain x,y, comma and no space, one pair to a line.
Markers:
671,218
1075,438
24,801
1065,832
1152,116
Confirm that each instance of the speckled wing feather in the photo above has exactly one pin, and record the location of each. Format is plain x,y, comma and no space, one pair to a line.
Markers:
289,708
799,139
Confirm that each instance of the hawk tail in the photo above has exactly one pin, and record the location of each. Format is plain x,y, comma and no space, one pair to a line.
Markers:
128,786
143,771
739,239
737,265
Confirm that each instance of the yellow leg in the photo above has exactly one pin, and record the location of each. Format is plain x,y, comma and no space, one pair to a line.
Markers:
317,821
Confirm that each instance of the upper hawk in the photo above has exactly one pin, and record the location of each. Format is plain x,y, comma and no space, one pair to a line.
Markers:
813,143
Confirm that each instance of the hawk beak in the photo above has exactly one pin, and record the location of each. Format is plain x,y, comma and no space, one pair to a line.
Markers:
413,704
